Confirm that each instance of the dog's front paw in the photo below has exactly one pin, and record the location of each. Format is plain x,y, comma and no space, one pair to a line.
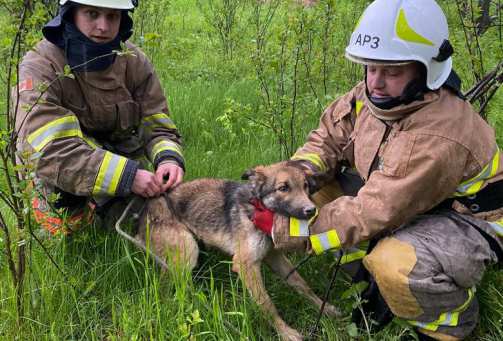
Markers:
331,311
289,334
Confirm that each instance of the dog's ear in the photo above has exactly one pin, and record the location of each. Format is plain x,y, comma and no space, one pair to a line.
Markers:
254,173
256,178
312,183
313,177
248,174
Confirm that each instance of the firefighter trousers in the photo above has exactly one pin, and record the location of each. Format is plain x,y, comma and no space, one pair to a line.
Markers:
426,270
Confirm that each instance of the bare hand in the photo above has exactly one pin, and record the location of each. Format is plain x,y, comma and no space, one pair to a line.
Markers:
145,184
170,171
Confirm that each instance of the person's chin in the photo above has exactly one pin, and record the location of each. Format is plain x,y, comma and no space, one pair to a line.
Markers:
101,40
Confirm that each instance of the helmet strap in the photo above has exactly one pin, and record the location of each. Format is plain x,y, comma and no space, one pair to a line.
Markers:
444,52
453,83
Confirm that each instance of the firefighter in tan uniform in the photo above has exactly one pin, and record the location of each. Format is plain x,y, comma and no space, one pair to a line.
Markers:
90,134
422,156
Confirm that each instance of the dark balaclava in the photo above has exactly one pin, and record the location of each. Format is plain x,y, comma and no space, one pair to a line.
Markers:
82,53
415,90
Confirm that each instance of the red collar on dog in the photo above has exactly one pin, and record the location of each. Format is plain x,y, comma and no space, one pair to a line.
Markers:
262,217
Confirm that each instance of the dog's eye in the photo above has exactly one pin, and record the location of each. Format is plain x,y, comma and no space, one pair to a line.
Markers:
284,188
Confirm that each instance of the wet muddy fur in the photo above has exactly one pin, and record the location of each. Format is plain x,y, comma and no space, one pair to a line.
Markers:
217,213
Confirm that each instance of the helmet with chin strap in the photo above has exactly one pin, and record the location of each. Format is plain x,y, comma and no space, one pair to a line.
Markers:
115,4
395,32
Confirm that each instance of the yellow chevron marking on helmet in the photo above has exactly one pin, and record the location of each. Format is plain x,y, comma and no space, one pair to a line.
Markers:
405,32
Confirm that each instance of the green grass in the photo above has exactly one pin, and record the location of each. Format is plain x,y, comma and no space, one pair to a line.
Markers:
113,292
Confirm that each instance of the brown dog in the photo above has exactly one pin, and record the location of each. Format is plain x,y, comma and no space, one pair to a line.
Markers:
218,212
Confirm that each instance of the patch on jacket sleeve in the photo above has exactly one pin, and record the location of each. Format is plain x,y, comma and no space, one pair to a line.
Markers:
26,85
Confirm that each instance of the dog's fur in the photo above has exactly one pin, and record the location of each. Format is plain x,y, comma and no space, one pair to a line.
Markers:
218,212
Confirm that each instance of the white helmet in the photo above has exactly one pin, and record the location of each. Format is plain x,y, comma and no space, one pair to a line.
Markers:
115,4
394,31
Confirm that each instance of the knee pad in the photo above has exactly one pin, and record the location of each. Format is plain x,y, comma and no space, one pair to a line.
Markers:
390,263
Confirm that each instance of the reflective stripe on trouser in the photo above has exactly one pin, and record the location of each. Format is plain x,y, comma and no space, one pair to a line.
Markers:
426,272
63,223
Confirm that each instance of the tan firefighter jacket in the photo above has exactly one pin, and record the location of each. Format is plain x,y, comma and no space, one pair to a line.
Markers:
432,150
84,131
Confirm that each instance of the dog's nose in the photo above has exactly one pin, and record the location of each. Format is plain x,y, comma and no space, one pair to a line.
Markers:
309,211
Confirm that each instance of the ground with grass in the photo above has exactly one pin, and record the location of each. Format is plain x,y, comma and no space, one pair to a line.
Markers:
245,85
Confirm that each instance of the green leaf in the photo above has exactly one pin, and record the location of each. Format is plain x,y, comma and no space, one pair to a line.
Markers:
67,72
184,329
352,330
196,318
42,87
355,290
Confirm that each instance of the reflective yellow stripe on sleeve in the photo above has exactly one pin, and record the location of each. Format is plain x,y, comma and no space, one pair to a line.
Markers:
325,241
315,159
165,145
159,120
109,174
358,107
447,319
474,184
497,226
300,228
355,253
91,142
67,126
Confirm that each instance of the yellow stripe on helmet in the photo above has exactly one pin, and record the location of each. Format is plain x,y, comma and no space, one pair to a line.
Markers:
407,33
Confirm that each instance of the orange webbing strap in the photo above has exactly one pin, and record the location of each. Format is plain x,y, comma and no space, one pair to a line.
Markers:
64,224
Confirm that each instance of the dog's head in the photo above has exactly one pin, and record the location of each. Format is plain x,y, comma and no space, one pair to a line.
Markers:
283,188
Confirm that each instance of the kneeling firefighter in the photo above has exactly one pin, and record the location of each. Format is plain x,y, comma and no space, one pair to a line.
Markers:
420,172
93,134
